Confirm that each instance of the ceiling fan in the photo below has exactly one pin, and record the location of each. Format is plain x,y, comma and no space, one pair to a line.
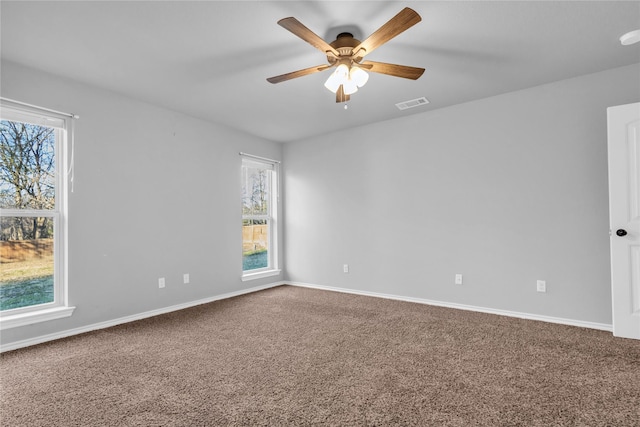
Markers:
346,54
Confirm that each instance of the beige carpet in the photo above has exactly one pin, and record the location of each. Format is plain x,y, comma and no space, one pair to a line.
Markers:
296,356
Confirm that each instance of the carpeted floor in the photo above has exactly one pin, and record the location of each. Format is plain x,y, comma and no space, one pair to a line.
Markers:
297,356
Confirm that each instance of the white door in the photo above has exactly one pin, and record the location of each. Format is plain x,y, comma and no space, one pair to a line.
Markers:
624,212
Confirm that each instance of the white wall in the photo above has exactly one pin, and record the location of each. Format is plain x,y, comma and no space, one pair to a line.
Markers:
505,190
157,194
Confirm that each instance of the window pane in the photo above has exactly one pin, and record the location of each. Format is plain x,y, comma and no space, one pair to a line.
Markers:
256,187
27,259
255,243
27,166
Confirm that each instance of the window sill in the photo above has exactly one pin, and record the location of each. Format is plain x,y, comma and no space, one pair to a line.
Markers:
259,275
22,319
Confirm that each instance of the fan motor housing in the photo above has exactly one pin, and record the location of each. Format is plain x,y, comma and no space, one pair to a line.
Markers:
344,44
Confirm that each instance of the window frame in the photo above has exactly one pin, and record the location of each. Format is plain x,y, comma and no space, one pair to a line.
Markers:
271,217
61,123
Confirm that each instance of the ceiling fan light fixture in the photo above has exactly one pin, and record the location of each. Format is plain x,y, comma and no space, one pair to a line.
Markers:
359,76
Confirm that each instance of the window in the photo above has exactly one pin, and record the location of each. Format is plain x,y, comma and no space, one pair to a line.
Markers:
259,217
33,146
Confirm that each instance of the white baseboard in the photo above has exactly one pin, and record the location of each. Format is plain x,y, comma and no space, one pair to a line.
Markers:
527,316
109,323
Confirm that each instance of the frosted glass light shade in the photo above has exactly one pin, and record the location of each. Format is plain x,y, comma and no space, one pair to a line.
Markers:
338,77
350,87
359,76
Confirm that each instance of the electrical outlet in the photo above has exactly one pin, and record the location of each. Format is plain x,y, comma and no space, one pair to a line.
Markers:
345,268
458,279
185,278
161,282
541,286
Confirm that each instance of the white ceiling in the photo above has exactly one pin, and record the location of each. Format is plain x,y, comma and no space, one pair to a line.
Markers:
210,59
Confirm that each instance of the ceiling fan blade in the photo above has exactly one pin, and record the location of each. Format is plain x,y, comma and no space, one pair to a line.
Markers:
364,65
404,20
297,28
396,70
299,73
340,95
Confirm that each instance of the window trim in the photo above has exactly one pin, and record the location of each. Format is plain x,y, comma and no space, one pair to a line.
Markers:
59,308
273,267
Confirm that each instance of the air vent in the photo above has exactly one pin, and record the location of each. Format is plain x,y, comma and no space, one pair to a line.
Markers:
412,103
